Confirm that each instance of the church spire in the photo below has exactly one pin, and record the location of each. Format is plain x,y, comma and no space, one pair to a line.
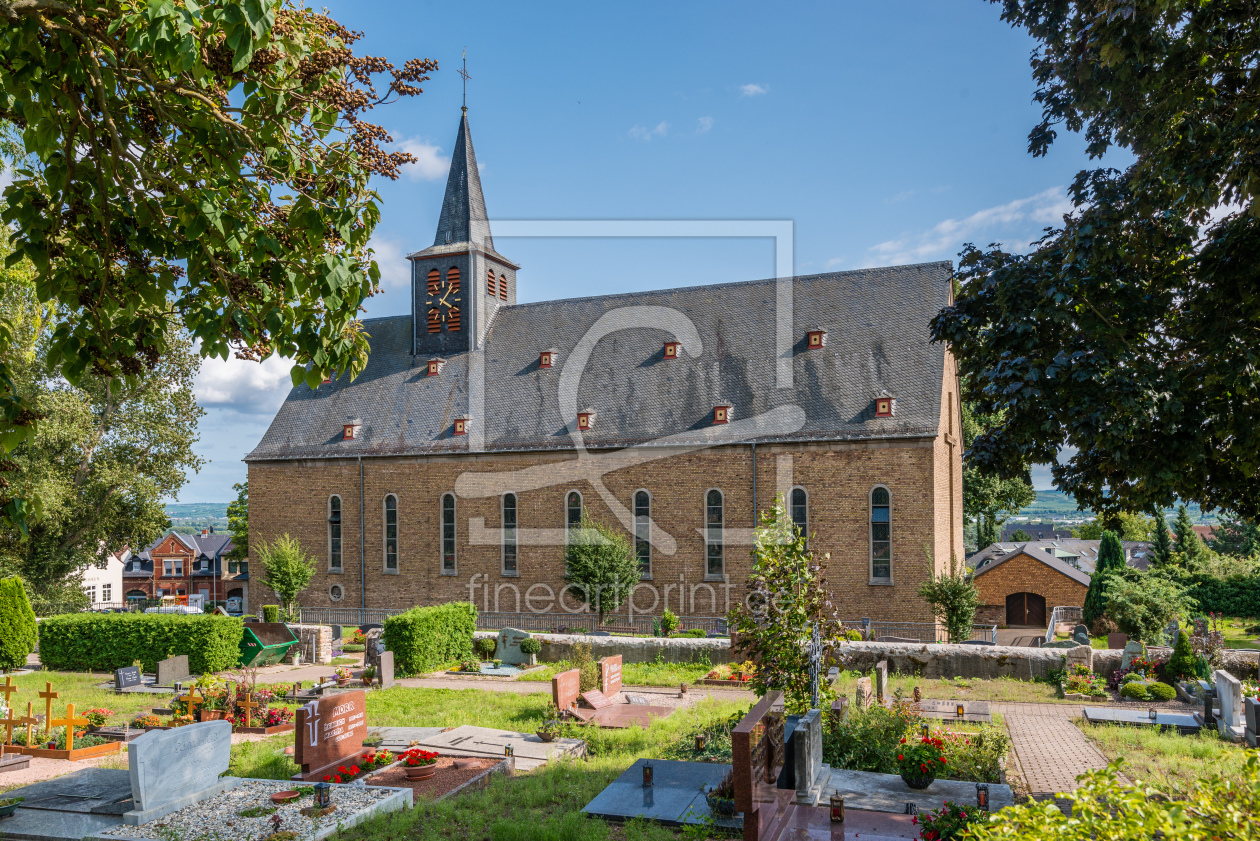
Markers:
463,218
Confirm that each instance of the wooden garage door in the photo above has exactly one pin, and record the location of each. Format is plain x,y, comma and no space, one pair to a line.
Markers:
1027,609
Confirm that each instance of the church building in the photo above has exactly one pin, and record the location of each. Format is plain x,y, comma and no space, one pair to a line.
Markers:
483,430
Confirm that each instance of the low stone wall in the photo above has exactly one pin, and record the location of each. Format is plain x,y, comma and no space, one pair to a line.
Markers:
1243,664
949,661
316,638
557,647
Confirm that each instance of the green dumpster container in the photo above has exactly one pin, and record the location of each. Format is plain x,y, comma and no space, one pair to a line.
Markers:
264,643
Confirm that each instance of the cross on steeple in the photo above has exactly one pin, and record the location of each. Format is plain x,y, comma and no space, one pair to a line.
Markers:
463,71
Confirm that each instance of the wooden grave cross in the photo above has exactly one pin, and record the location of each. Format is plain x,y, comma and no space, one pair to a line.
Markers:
192,701
48,696
8,724
30,721
70,721
246,702
8,689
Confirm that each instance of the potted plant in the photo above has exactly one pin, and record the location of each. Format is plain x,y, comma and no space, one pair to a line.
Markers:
498,664
212,707
420,764
919,760
97,716
368,675
549,730
146,722
343,675
8,805
721,798
949,822
532,647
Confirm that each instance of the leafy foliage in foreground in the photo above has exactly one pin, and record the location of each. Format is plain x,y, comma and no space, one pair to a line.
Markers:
1145,302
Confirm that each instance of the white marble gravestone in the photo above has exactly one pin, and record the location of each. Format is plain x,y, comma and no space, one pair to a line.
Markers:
171,769
807,748
881,680
1229,695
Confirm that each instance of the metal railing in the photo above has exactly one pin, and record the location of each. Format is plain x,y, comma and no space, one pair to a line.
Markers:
548,623
1062,614
927,632
346,615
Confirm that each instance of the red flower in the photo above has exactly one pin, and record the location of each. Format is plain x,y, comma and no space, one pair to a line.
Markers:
337,778
942,760
327,778
355,769
922,767
900,757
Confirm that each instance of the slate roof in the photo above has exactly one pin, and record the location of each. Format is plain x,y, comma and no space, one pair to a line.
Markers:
202,546
1079,576
877,324
463,217
1086,551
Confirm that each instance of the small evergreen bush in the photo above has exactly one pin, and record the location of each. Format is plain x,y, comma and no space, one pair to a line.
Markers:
107,641
1161,692
18,632
271,613
1137,690
424,638
530,645
1181,666
485,646
669,622
1130,677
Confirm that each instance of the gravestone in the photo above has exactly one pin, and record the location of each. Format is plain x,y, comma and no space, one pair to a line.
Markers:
385,672
174,768
329,732
373,648
1229,691
508,646
1209,706
130,676
1081,638
807,752
610,675
172,669
1077,630
337,634
757,754
595,699
1117,641
839,710
1251,708
1131,650
1081,655
881,681
565,688
863,697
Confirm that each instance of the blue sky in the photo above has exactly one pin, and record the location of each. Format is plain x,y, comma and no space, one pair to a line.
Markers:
888,133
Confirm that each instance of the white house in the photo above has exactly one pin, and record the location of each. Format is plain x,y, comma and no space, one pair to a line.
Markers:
103,583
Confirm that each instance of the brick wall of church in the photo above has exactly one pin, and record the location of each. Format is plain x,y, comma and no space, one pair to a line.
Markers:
292,497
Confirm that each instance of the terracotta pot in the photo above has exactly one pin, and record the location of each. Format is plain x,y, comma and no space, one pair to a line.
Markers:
546,735
342,681
211,715
367,681
920,782
420,772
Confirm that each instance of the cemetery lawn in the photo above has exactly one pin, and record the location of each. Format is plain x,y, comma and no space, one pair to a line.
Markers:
79,689
1165,760
635,674
542,805
1236,633
963,689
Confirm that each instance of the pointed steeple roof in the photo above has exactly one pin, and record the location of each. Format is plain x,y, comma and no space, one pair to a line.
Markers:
463,216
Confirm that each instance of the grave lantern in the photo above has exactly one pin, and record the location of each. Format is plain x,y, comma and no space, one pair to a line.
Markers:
982,796
647,774
927,730
507,750
837,807
323,795
961,710
701,740
1153,713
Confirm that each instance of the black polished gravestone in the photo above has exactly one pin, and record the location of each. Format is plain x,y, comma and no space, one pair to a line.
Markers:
124,678
1185,723
80,804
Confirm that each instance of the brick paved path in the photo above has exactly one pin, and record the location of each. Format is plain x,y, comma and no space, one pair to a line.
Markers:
1049,748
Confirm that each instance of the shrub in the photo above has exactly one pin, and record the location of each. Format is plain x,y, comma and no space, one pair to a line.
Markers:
949,822
867,740
17,624
108,641
1161,692
529,645
952,596
974,756
669,622
1102,626
1143,604
1136,690
271,613
424,638
601,567
1130,677
485,646
692,633
1110,563
588,670
1182,664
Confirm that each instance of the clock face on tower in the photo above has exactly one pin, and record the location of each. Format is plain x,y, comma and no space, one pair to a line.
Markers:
444,301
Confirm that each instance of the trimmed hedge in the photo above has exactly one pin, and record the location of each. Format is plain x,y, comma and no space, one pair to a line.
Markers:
424,638
108,641
1230,596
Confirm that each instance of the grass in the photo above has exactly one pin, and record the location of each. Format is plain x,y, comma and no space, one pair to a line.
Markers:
542,805
963,689
1236,633
1165,760
78,688
635,674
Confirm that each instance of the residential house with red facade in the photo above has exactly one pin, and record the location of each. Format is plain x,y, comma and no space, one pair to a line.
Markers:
189,564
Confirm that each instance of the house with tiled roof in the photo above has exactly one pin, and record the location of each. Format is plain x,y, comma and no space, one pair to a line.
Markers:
483,430
188,564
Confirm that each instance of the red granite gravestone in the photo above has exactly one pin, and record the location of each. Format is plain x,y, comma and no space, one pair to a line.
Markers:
329,732
610,675
757,758
595,699
565,688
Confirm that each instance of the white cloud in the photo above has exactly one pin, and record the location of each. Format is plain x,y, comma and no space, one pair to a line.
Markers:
391,259
430,165
641,133
704,124
835,261
753,90
251,388
1016,225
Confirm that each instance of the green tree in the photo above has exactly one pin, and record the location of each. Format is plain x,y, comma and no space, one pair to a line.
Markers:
1161,545
601,567
1143,355
194,164
787,599
1110,563
1182,664
1189,553
1021,536
1236,537
287,570
952,596
1126,525
1142,604
18,630
105,455
987,498
238,523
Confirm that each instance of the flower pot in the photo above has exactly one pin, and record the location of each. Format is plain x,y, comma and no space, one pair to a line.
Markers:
367,681
211,715
546,735
420,772
918,782
6,811
721,806
343,681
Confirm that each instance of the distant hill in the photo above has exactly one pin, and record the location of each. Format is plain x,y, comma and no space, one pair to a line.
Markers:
195,516
1056,505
